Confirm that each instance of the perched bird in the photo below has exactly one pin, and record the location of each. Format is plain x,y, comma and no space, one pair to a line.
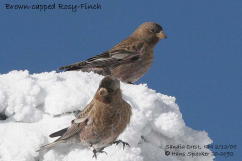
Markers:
129,59
101,122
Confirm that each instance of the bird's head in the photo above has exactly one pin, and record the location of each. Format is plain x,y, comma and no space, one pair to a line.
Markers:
109,87
149,32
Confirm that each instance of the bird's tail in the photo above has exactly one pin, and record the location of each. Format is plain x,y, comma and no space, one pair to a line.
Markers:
50,145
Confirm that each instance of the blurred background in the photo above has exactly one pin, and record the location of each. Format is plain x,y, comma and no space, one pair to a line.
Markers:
200,63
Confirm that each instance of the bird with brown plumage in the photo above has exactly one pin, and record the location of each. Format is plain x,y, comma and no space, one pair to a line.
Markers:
128,60
101,122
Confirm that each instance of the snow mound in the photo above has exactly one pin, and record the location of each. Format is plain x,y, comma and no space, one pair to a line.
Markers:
39,104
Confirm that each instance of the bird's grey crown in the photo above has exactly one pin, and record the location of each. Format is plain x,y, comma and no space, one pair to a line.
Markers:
110,82
152,26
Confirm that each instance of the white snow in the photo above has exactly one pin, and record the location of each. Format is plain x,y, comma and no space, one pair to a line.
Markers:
38,104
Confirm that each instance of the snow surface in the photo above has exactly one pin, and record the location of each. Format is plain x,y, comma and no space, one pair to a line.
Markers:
38,104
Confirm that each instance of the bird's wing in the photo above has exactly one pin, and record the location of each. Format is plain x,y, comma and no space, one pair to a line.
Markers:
84,64
81,117
107,59
68,132
83,113
77,124
73,129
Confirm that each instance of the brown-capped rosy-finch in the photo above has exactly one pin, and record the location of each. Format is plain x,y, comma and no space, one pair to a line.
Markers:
129,59
101,122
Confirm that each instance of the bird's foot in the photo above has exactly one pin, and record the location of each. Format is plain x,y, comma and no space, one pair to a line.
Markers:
98,151
120,141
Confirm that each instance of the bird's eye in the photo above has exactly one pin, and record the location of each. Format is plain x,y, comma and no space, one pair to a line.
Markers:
153,31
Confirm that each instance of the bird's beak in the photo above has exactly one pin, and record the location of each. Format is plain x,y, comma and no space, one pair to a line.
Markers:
161,35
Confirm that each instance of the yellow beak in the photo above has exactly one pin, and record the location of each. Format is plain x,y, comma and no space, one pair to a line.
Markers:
161,35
